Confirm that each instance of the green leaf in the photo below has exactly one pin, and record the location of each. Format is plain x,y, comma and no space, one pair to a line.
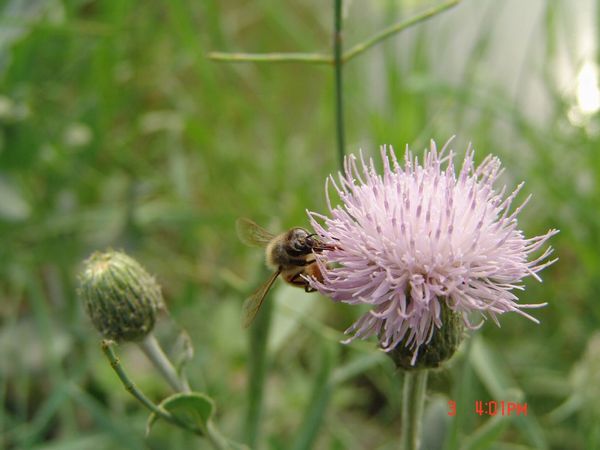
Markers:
194,410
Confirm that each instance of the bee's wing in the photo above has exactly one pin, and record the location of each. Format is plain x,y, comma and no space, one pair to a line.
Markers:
252,234
253,303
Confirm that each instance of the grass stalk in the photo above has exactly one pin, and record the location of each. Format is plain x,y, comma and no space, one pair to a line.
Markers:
339,87
311,58
397,28
259,336
319,401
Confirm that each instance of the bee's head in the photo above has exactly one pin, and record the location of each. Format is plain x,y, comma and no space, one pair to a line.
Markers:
299,241
302,242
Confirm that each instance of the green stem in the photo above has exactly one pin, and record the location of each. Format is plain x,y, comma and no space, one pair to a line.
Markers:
311,58
413,399
215,437
338,66
320,58
396,28
259,334
210,433
133,389
155,354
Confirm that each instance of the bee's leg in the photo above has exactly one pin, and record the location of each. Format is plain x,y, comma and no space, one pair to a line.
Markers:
297,280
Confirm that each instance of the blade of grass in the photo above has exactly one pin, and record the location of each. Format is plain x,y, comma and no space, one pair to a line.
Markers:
497,380
258,361
396,28
317,406
10,324
31,432
118,429
357,366
488,434
339,87
42,317
462,393
311,58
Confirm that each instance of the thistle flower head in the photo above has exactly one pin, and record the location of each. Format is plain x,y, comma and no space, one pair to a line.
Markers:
419,237
120,297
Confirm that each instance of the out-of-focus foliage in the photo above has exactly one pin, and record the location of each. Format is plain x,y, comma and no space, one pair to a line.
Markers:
117,131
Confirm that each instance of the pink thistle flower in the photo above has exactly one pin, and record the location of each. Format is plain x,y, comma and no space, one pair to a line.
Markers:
419,235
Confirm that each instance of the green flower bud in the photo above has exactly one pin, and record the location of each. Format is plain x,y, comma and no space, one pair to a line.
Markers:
440,348
120,297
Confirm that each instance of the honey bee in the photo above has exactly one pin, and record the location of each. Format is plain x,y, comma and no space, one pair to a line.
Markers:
290,254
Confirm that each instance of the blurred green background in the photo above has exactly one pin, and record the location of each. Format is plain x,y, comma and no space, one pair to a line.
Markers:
117,131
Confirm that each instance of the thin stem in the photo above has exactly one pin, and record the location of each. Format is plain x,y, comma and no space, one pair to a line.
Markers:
337,61
413,398
210,433
396,28
338,66
218,441
133,390
259,336
154,352
311,58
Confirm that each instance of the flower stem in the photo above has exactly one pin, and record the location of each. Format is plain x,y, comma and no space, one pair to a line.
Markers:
338,66
396,28
413,398
107,348
155,354
211,433
214,436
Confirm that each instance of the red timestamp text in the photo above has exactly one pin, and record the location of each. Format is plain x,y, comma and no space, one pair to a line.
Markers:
493,408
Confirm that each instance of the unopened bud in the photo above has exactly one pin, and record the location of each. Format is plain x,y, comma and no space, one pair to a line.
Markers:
120,297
